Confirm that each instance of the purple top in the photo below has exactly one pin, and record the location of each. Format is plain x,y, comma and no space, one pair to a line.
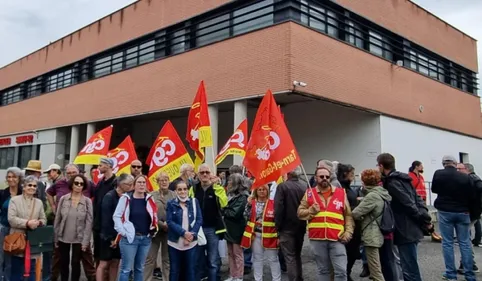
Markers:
61,187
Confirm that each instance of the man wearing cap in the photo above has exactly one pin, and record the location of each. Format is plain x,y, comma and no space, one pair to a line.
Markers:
54,173
136,168
106,184
456,200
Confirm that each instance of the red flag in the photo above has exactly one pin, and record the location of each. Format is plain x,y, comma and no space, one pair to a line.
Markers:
198,133
270,152
236,145
167,154
95,148
123,155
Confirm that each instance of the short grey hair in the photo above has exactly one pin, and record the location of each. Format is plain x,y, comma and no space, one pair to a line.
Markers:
235,169
124,178
238,183
204,165
469,167
71,165
185,167
296,173
29,179
16,171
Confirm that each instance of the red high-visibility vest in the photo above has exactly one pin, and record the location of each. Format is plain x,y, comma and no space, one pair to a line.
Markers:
329,223
269,234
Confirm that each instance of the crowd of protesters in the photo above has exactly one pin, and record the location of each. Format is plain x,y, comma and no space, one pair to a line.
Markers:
117,229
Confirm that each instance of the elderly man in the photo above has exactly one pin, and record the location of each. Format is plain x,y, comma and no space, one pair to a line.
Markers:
330,224
291,229
187,176
456,198
136,168
212,199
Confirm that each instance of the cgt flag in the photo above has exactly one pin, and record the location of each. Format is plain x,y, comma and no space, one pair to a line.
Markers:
270,152
167,154
198,133
95,148
123,155
236,145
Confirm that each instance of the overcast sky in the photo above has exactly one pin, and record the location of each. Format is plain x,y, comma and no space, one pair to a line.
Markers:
28,25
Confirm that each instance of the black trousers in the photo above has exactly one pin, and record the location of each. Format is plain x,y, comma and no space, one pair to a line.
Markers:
66,262
353,251
387,260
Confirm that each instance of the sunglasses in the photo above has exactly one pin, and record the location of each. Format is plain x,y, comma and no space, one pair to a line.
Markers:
31,185
205,172
136,167
78,183
324,177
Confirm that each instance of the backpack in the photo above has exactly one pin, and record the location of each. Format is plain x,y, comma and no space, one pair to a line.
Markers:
387,223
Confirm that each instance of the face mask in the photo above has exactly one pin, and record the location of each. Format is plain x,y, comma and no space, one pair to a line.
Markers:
421,171
183,200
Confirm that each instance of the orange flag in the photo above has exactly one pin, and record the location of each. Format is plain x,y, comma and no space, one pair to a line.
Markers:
271,151
198,133
95,148
167,154
236,145
123,155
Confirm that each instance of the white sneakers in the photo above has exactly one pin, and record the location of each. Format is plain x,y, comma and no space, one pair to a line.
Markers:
234,279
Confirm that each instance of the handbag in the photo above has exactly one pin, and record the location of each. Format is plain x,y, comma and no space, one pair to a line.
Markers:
201,238
16,242
41,239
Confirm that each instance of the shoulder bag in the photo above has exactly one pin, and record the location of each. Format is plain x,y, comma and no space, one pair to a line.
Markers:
16,242
201,238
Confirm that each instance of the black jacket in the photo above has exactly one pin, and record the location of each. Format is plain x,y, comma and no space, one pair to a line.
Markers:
233,215
109,204
455,191
286,202
477,208
103,186
410,214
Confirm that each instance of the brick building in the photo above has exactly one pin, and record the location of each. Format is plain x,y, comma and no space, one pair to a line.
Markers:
378,76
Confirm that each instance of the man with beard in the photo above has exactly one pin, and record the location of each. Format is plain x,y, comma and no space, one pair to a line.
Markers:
136,168
418,182
330,224
410,214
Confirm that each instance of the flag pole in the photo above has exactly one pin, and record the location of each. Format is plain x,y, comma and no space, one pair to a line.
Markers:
307,180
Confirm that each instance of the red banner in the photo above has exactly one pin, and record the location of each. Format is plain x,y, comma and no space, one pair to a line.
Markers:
271,151
198,133
236,145
95,148
167,154
123,155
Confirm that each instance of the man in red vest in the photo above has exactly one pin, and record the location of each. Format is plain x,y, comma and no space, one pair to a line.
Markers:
330,224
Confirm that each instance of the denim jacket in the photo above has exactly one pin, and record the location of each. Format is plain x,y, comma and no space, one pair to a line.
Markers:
174,219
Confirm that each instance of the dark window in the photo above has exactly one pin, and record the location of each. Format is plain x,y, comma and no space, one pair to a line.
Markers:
160,44
319,18
117,60
146,52
24,155
7,156
379,45
131,57
179,41
102,66
354,35
34,89
11,96
253,17
212,30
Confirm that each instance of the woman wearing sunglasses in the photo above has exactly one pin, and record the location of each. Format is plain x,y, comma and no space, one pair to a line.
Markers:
73,227
25,212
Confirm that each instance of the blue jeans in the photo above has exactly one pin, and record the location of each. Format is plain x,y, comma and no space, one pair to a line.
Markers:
18,269
461,223
134,256
247,258
363,256
5,259
185,260
409,261
212,256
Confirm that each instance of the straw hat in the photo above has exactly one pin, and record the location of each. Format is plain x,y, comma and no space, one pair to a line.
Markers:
34,166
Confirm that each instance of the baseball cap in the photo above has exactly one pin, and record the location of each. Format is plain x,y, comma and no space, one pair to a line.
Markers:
53,167
107,161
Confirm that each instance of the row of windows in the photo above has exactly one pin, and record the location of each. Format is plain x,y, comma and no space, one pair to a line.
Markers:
328,18
7,156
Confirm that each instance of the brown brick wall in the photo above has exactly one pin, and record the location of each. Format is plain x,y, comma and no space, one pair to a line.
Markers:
133,21
416,24
243,66
343,73
246,66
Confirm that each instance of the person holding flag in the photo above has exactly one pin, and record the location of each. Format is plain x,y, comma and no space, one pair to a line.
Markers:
212,199
330,225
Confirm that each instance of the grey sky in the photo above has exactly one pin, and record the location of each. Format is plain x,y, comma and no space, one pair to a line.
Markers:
27,25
